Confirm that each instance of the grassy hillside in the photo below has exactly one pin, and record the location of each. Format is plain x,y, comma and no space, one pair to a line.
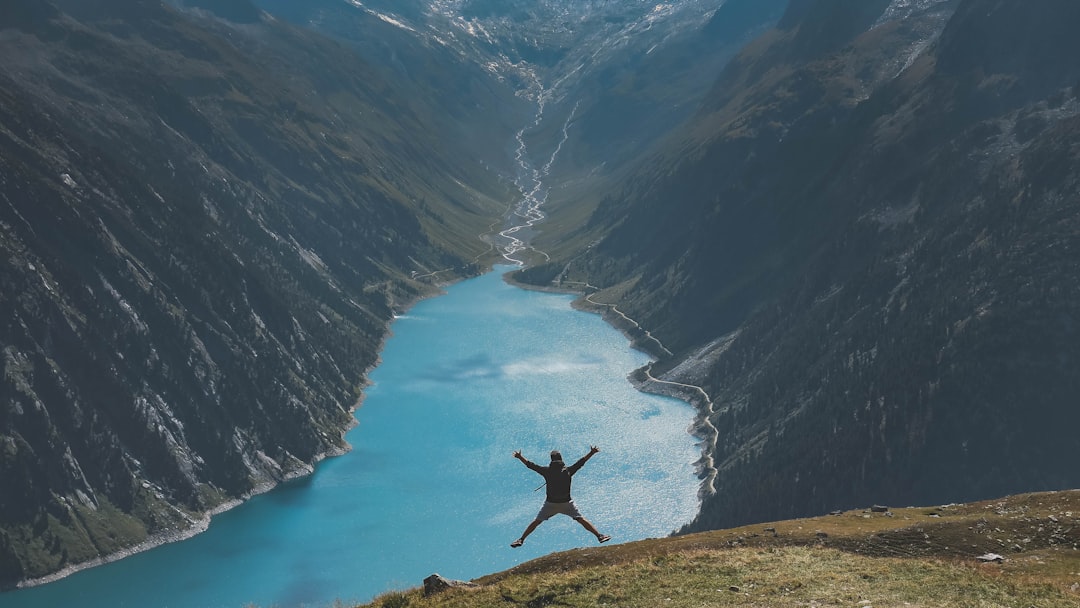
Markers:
900,557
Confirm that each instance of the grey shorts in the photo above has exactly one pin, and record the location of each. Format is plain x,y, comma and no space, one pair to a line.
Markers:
551,509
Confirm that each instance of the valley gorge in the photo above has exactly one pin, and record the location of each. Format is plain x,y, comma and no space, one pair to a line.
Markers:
846,230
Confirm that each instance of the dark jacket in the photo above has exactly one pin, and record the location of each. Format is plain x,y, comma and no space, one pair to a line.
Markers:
558,477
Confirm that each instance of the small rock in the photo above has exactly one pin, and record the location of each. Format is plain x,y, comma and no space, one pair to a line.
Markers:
990,557
821,534
437,584
773,530
836,512
733,588
878,509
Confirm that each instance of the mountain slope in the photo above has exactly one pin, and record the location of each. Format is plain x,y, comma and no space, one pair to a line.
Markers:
863,249
624,91
205,227
476,111
631,99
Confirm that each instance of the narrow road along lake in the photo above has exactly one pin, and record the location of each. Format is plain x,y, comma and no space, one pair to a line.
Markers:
430,485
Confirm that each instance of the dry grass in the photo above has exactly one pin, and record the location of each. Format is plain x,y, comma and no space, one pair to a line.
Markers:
922,557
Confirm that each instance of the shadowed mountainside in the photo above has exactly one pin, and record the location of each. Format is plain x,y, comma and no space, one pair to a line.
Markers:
864,249
205,226
477,112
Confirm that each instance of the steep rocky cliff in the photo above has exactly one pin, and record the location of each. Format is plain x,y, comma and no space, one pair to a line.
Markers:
206,222
864,249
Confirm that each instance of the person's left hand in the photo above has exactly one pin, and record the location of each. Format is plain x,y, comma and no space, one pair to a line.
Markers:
593,449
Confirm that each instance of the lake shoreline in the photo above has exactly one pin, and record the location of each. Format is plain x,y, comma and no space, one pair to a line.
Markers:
201,522
701,428
198,526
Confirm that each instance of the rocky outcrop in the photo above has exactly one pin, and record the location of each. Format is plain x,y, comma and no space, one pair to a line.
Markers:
436,584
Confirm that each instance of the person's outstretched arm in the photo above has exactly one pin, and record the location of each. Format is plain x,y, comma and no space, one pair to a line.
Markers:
581,462
525,461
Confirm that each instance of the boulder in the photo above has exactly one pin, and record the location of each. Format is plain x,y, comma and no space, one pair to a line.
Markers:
437,583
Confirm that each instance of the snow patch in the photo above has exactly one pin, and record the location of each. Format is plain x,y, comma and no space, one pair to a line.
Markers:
387,18
902,9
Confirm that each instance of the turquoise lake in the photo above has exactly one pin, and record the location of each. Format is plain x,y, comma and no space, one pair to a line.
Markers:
430,485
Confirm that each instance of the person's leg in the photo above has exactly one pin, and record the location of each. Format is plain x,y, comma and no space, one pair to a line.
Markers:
529,530
591,528
532,526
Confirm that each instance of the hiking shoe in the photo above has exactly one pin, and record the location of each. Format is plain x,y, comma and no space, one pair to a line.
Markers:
603,538
517,543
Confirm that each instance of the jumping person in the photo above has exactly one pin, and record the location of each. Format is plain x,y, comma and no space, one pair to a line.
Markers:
557,478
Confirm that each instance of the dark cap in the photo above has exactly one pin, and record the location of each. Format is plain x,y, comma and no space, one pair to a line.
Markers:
556,456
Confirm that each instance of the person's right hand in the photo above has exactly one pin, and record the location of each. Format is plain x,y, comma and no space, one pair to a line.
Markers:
593,449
